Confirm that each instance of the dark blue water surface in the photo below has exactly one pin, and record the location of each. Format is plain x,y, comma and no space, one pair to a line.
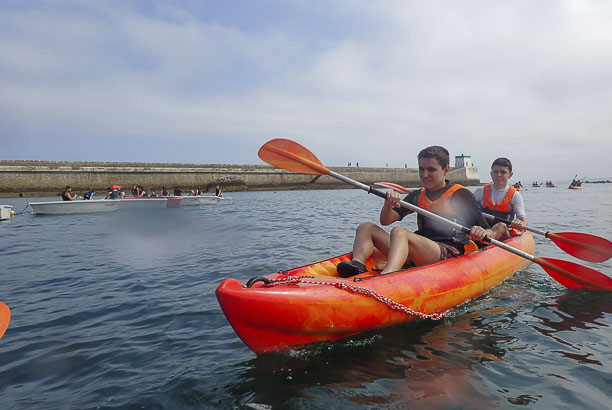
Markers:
118,311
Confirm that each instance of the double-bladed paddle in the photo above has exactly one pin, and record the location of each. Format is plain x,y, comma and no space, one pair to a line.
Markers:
5,318
289,155
584,246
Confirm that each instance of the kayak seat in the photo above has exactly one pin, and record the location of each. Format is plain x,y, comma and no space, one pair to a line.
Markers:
469,248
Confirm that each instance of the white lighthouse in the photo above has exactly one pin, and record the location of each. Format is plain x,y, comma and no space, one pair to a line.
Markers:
463,161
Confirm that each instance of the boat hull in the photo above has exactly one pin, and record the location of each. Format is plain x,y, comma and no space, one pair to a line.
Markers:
5,212
275,318
190,200
208,200
74,207
141,204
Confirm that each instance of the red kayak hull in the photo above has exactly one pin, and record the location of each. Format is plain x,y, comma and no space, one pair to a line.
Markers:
275,318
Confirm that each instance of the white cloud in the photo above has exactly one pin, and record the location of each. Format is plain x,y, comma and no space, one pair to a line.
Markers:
365,81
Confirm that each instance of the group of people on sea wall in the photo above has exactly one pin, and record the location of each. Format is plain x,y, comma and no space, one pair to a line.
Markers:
434,241
138,191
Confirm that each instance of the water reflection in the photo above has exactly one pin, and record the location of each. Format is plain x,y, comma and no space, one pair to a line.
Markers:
569,313
427,364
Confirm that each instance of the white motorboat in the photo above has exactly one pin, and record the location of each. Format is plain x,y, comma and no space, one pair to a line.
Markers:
5,212
208,200
140,204
74,207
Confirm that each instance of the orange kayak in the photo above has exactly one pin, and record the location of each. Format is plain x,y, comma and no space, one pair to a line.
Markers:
5,318
290,309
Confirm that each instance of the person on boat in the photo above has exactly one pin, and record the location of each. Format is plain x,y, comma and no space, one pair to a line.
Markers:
433,241
115,192
177,191
152,194
67,194
501,200
89,194
218,191
142,193
164,191
134,190
198,191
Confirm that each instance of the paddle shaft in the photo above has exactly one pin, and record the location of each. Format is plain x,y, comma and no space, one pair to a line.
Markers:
431,215
523,227
291,156
597,249
553,236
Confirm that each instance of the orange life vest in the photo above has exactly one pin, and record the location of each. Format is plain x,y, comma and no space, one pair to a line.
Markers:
438,231
500,209
440,205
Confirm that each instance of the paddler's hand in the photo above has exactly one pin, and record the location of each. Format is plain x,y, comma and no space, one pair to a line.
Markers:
516,224
477,233
393,199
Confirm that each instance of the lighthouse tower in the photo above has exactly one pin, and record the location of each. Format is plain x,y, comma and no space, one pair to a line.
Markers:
463,161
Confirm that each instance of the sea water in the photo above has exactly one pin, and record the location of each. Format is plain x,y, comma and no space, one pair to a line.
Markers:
118,311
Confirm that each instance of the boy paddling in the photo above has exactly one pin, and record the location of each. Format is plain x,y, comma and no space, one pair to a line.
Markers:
501,200
433,241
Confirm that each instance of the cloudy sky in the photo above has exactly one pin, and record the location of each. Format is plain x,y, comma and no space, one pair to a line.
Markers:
364,81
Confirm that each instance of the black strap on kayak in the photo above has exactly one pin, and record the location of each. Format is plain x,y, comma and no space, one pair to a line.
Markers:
256,279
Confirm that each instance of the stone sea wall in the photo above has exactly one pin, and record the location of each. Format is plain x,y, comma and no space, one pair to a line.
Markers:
48,178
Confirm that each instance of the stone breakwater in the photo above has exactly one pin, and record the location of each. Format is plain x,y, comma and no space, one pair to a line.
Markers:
48,178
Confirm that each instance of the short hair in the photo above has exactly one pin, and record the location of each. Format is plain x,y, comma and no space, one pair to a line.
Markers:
437,152
68,187
502,162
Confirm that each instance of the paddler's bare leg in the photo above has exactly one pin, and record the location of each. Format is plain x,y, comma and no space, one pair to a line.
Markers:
368,236
405,244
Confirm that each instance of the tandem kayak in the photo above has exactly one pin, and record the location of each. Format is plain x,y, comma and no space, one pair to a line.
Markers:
293,308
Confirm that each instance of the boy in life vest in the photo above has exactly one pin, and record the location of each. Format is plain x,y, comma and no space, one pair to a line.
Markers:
433,241
501,200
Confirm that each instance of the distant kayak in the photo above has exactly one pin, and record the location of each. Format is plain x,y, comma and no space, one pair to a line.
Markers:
289,309
5,318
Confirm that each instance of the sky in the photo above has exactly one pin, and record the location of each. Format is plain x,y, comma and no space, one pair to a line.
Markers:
361,81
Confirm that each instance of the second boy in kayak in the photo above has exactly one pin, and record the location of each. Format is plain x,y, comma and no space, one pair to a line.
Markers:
501,200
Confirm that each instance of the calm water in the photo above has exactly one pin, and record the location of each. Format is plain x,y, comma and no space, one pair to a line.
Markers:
118,311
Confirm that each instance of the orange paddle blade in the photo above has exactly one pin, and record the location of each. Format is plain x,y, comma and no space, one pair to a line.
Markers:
583,246
5,318
289,155
395,186
574,276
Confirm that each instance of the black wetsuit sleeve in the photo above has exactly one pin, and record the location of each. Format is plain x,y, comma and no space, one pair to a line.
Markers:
411,198
464,203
